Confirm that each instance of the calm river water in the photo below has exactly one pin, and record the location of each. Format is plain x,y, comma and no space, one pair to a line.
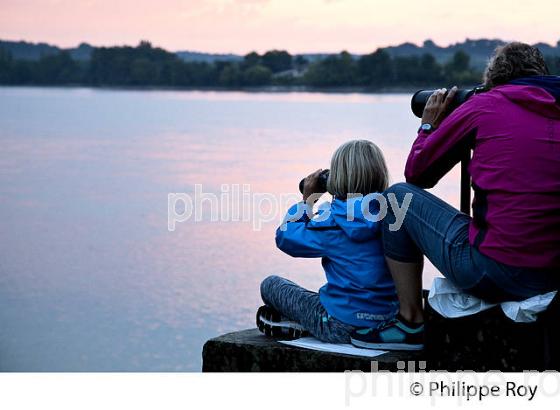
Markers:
91,279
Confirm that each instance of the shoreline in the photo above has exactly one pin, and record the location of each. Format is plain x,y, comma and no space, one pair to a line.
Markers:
267,89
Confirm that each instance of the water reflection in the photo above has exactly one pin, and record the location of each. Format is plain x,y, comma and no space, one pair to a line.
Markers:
90,278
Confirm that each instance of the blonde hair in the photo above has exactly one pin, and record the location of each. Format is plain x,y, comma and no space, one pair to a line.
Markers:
357,167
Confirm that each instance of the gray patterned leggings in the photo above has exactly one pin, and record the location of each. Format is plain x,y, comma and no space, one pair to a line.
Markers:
304,307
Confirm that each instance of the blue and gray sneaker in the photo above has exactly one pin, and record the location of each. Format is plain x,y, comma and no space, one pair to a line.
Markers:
395,334
272,323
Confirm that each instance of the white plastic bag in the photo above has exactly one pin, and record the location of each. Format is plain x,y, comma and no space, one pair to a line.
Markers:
526,311
451,302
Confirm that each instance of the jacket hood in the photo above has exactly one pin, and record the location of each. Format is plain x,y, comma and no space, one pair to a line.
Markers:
540,93
549,83
362,227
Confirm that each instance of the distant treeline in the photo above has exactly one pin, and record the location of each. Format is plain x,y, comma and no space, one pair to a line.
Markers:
149,66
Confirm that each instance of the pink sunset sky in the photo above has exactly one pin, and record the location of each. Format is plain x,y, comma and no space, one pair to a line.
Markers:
240,26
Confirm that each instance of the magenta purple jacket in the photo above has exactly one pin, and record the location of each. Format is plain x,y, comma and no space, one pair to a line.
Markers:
514,131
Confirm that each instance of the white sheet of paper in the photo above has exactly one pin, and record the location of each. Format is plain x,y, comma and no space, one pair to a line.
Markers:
314,344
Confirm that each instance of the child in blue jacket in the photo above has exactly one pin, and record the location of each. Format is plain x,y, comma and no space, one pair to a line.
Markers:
346,234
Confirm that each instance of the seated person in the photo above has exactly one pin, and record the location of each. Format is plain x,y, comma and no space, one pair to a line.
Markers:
359,291
510,248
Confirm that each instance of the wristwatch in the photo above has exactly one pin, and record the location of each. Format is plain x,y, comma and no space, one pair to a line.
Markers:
428,128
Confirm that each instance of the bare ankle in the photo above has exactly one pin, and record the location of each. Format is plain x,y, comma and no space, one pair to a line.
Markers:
413,315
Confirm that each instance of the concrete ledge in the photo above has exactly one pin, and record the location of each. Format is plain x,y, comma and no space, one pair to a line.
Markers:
490,341
251,351
481,342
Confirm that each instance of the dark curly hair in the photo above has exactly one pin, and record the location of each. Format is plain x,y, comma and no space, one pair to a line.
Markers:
511,61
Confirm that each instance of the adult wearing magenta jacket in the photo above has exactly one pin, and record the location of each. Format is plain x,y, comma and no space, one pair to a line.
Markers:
510,248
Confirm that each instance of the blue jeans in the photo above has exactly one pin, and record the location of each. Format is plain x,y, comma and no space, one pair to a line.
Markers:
435,229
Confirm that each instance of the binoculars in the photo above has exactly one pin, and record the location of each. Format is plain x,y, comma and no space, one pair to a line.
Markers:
420,98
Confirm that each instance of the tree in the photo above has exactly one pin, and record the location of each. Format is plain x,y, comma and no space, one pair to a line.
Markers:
407,70
23,72
56,69
430,70
300,62
429,45
458,71
148,65
257,75
277,60
338,70
376,69
143,72
140,65
229,76
251,60
144,44
553,64
459,62
6,66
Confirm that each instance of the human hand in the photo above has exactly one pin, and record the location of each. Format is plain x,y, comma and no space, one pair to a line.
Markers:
311,185
437,107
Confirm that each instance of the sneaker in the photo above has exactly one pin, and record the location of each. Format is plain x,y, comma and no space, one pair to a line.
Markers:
271,323
395,334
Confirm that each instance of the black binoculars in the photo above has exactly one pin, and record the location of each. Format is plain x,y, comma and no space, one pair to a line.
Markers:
420,98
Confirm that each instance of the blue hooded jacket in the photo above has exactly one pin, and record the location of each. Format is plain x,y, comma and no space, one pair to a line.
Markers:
359,289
